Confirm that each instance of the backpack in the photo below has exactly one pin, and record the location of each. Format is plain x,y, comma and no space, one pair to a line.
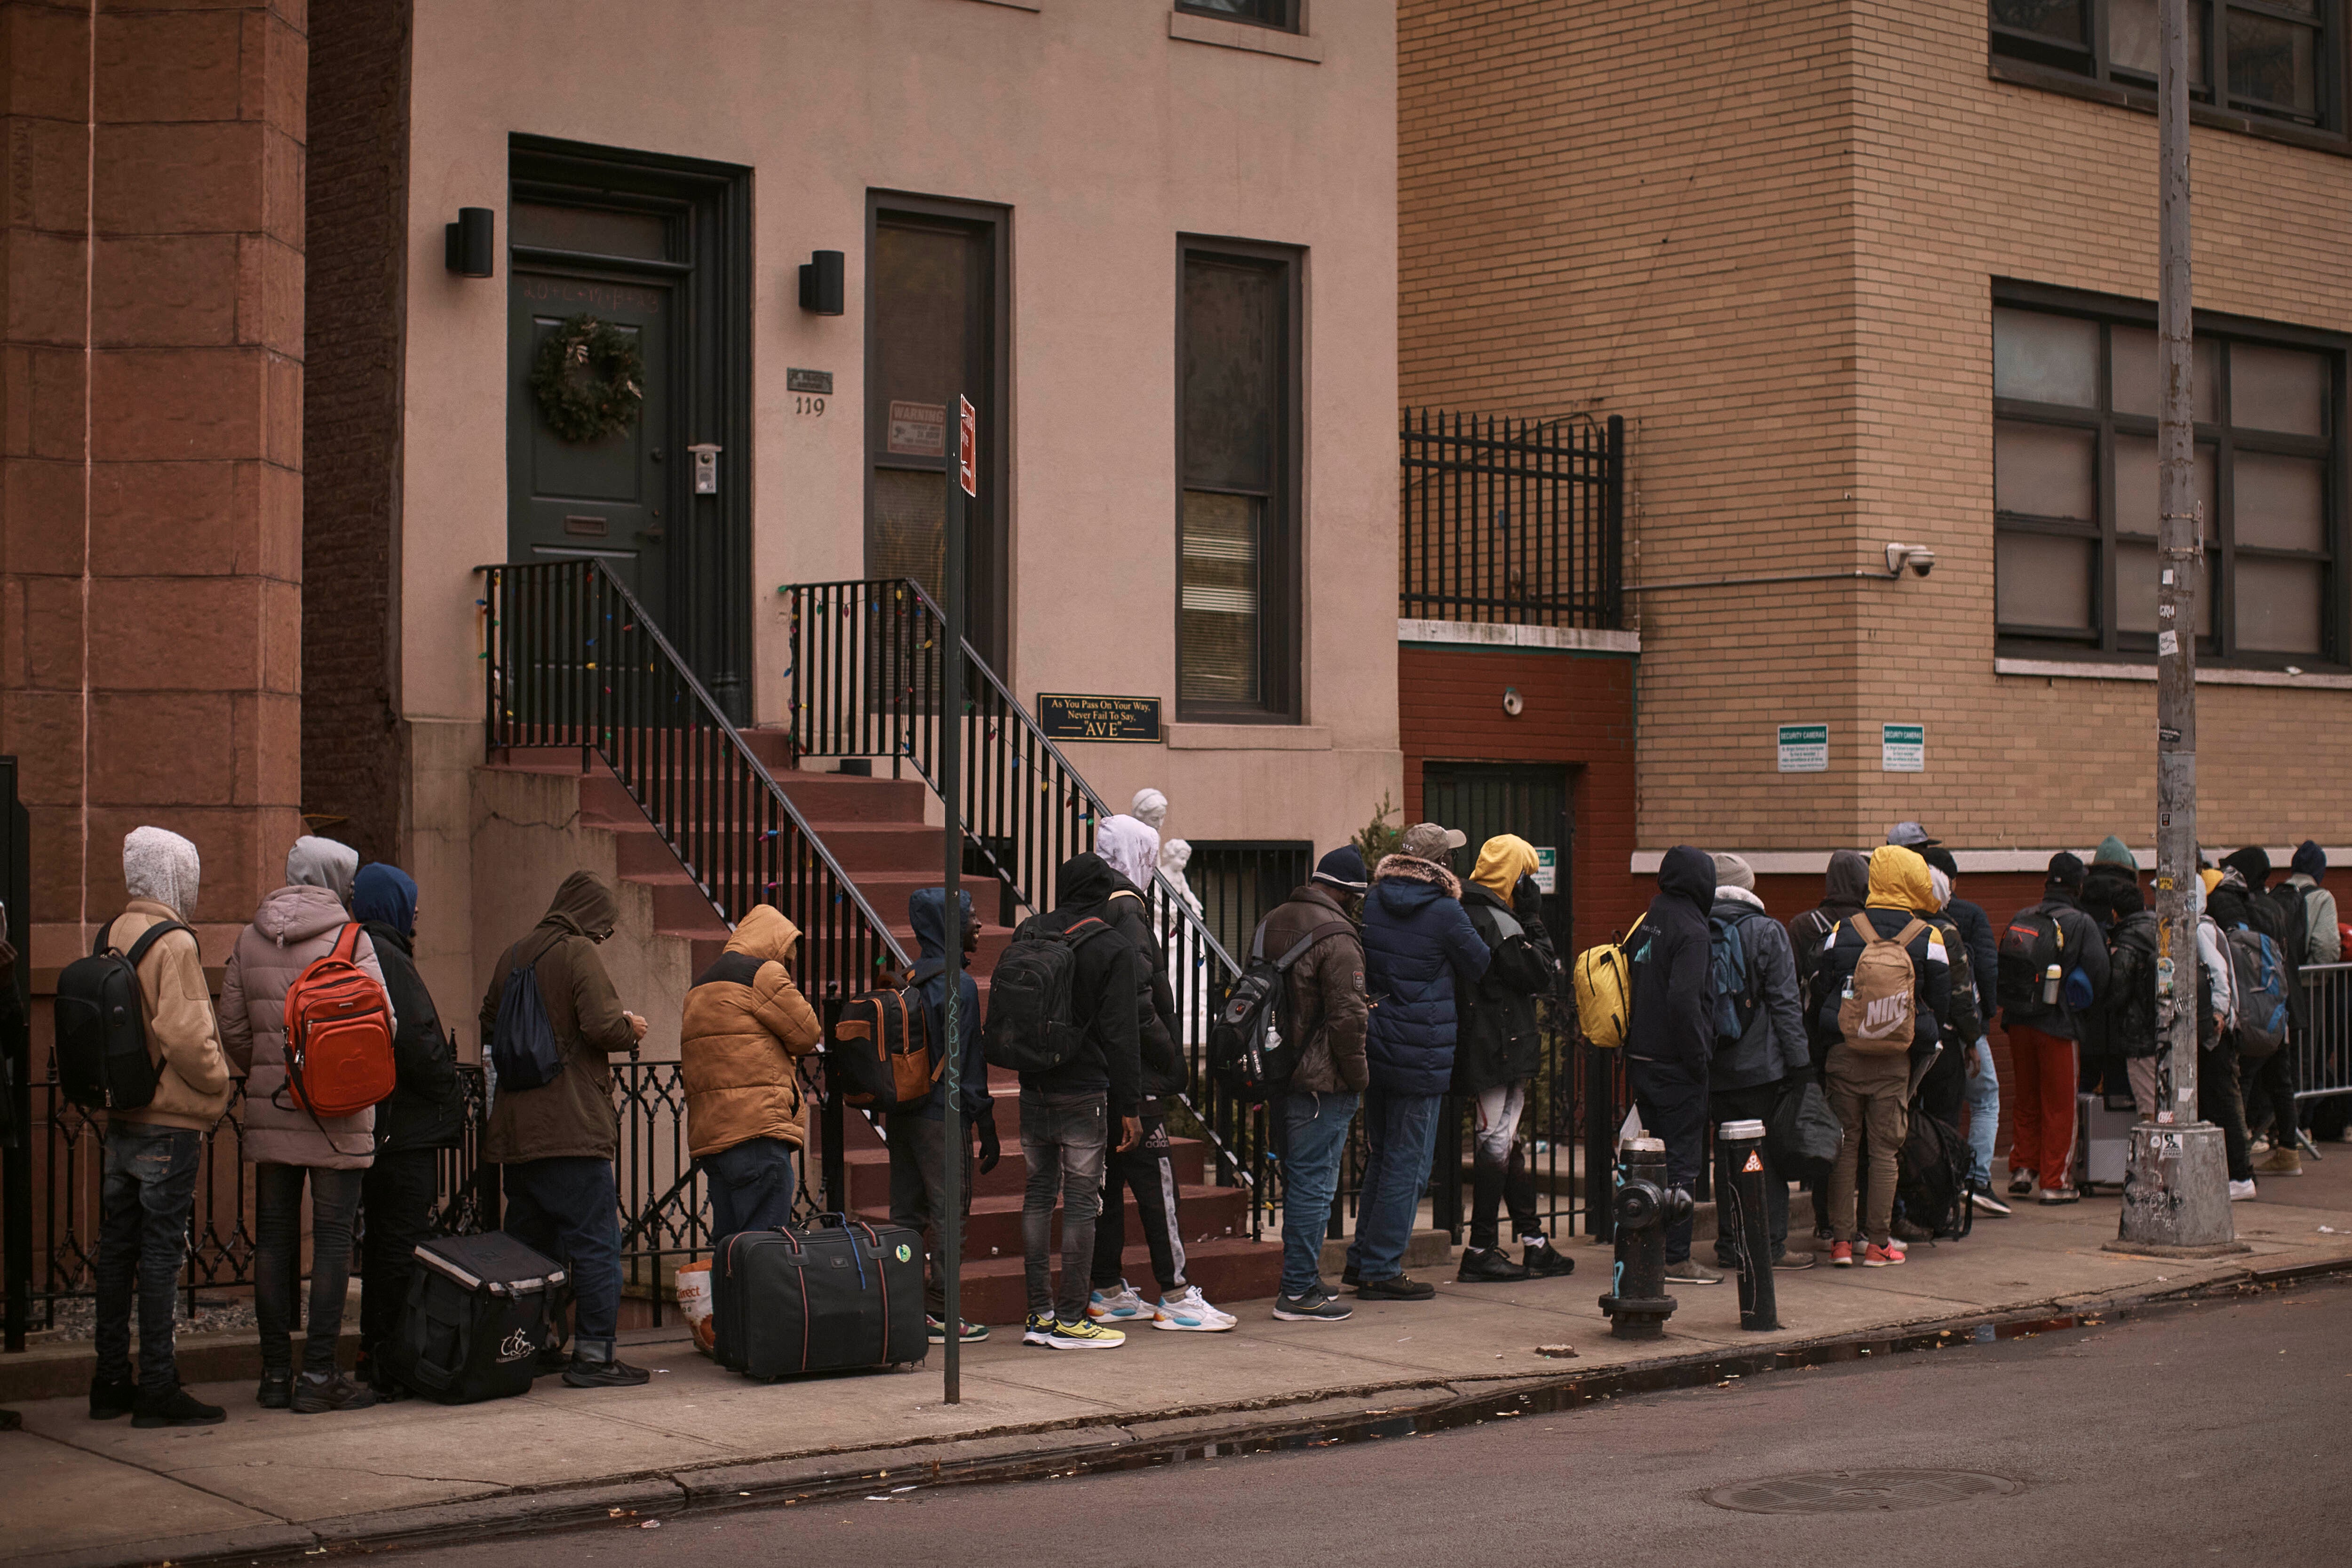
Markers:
1932,1176
881,1047
1252,1051
523,1051
1875,1015
2131,986
338,1034
1032,1019
2294,942
1604,989
2030,944
1736,1001
2260,978
103,1062
1968,1016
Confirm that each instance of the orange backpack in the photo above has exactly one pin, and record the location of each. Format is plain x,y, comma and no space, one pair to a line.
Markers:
338,1034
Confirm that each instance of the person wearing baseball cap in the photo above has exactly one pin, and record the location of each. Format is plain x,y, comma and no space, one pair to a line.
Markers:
1911,836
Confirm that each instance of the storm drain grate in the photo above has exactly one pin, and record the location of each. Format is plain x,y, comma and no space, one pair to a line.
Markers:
1861,1491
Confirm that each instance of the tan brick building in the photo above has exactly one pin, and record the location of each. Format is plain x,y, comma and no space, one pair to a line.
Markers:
1839,266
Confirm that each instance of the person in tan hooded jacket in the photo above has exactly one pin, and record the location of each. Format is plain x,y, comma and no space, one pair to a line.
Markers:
745,1021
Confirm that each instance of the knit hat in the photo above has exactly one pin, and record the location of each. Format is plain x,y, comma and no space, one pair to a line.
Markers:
160,865
1343,868
2252,863
2111,852
2310,860
1940,858
2066,870
1428,841
1732,871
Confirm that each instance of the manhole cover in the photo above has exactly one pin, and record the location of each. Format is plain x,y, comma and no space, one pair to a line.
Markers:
1860,1491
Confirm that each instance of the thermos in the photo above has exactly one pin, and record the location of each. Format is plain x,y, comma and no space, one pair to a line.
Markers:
2050,986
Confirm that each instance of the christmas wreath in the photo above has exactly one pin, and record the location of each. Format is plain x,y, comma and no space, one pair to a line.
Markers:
589,379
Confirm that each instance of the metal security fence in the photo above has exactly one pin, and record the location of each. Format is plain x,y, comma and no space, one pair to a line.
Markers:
1514,520
2323,1054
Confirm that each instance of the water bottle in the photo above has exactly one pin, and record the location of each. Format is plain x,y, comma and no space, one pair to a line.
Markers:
2050,986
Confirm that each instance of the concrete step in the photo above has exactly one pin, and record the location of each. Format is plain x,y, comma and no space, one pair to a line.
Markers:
1203,1214
844,797
866,1166
994,1290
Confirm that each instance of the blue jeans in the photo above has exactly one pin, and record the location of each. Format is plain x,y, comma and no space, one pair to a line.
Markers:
1983,1101
1317,1136
750,1186
568,1209
145,1194
1400,1130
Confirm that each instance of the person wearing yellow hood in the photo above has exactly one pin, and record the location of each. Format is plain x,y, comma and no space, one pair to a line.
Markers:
1495,1053
745,1021
1878,1037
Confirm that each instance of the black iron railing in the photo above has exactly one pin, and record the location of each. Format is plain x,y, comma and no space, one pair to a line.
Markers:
1515,521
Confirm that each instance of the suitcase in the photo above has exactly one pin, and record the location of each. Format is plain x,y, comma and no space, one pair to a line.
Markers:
838,1296
480,1309
2102,1141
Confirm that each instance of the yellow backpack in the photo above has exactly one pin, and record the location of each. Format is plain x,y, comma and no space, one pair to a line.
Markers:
1604,989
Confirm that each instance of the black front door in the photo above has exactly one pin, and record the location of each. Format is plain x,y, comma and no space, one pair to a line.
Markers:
1530,800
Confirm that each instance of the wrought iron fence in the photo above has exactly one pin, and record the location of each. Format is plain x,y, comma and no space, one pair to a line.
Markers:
1515,521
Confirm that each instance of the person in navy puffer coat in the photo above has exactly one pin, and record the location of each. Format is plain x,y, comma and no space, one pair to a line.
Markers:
1420,952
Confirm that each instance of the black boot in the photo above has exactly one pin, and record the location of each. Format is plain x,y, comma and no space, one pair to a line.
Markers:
175,1407
1483,1265
277,1390
108,1400
593,1366
1546,1261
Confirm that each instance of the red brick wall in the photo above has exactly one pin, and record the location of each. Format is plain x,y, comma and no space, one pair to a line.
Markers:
1579,711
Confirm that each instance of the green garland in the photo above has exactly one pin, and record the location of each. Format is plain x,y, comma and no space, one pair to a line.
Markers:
589,379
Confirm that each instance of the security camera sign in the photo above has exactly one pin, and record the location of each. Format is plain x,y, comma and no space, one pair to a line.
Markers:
1547,872
1804,748
1903,748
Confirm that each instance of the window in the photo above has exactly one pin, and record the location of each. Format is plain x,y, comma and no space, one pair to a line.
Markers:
1238,533
2278,59
1282,14
2074,485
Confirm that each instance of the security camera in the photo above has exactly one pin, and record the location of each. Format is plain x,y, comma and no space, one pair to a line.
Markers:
1918,557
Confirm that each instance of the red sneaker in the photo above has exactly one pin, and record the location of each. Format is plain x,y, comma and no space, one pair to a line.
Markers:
1878,1256
1841,1255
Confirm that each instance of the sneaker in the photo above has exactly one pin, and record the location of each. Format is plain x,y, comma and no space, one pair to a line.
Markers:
1545,1262
1487,1264
2240,1190
1691,1271
1907,1229
1887,1256
1188,1311
966,1332
1841,1255
2057,1195
276,1391
1395,1288
594,1365
179,1408
315,1396
2279,1161
1790,1262
1349,1278
1982,1195
1318,1306
2020,1183
2258,1145
1119,1303
1086,1334
1036,1328
108,1400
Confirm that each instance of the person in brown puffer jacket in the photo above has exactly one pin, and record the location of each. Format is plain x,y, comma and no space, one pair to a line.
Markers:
294,928
557,1141
745,1021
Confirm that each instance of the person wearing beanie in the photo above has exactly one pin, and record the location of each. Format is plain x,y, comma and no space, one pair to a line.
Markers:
1328,1010
1980,1089
1670,1031
1761,1051
2109,884
2045,1035
147,1184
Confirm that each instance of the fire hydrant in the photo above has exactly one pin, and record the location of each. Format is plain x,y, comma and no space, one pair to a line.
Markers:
1637,1302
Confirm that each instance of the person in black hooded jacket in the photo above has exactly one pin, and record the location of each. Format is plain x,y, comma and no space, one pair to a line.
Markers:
1670,1030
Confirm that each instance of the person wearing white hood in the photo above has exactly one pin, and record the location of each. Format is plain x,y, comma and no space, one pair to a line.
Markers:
295,926
2219,1098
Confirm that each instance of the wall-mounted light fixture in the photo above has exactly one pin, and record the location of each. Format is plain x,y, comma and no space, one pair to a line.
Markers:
468,243
821,289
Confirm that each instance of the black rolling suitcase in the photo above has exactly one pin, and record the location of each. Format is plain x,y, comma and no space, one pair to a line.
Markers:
480,1309
836,1297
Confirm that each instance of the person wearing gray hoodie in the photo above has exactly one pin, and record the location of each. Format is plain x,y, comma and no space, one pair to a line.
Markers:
1769,1055
288,1147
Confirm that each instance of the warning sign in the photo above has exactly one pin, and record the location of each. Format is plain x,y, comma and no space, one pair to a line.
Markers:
1755,1162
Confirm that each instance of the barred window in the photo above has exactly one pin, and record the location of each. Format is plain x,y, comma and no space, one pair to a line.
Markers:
2278,59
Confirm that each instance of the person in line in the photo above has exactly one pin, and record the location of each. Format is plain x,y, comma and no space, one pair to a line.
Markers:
1670,1031
2105,1066
558,1141
2306,871
1131,849
147,1188
2043,1036
1941,1076
1328,1010
2282,914
2133,1027
919,1138
2218,1099
1870,1085
1067,1112
1770,1054
1981,1094
297,925
1496,1056
1844,886
745,1025
1421,953
400,1193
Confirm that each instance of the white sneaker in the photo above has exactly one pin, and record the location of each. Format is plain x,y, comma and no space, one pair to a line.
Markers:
2240,1190
1188,1311
1120,1306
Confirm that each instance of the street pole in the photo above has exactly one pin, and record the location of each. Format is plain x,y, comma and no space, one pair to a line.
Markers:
962,486
2176,1190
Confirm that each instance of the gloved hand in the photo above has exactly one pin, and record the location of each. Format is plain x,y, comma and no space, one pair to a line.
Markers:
1527,898
991,1151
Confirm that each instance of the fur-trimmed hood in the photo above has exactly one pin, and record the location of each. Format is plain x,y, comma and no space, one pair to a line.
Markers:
1411,868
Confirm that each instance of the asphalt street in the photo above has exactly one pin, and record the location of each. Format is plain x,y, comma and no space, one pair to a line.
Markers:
2214,1432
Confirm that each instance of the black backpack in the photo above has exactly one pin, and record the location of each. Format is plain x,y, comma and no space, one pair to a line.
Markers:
1253,1049
523,1051
2030,944
1967,1017
2131,986
1032,1017
103,1062
2293,931
1932,1176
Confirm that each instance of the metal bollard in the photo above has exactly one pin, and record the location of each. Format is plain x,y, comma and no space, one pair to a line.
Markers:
1637,1304
1743,1222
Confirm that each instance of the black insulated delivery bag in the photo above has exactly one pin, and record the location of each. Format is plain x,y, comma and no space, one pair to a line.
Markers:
836,1297
480,1309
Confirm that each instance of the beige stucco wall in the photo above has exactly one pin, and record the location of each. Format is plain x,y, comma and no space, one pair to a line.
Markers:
1106,138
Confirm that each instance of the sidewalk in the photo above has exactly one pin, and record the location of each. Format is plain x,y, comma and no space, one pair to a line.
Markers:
87,1494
